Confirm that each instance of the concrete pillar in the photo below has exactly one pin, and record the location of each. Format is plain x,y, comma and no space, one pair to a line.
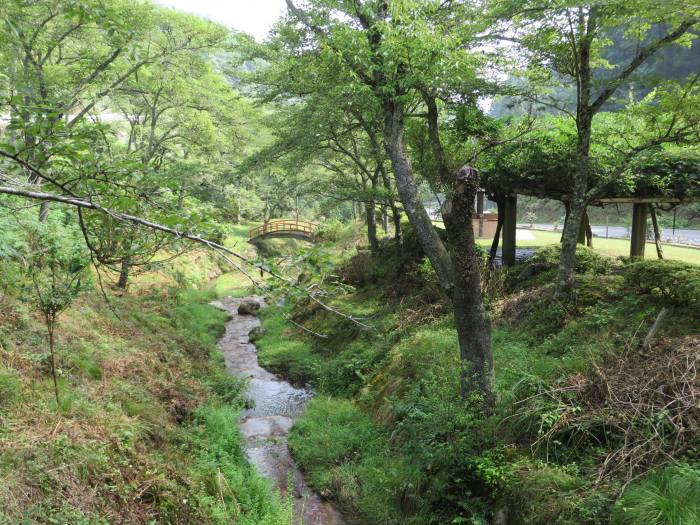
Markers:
509,227
638,237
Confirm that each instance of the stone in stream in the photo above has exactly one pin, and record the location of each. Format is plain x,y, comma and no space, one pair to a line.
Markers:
256,333
249,307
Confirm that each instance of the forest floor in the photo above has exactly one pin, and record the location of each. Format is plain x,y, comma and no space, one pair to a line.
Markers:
146,429
587,429
587,425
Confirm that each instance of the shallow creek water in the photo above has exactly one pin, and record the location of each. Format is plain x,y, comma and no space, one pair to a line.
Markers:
275,405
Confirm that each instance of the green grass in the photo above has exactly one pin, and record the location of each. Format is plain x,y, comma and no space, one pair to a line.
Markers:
146,429
235,493
611,247
395,444
278,351
344,453
670,496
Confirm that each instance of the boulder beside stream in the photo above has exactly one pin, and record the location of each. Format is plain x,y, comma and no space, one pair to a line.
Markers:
249,307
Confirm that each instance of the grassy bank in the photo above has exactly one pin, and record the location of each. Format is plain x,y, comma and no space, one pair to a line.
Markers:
579,412
609,247
146,429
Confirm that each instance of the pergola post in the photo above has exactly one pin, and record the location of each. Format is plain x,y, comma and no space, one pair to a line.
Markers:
480,211
582,230
639,229
585,233
509,227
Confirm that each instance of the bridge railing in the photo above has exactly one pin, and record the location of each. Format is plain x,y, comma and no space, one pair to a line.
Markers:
283,225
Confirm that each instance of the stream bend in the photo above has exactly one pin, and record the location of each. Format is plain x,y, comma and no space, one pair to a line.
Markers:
275,404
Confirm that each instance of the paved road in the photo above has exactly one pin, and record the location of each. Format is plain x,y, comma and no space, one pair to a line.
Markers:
622,232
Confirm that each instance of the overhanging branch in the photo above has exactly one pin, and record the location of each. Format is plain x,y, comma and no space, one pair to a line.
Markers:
218,248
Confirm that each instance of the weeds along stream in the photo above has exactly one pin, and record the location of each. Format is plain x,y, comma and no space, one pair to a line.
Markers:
273,406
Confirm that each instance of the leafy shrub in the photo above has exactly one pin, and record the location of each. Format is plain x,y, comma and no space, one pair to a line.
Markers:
545,260
670,496
330,231
677,282
358,270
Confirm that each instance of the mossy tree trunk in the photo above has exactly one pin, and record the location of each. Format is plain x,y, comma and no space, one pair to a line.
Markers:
471,319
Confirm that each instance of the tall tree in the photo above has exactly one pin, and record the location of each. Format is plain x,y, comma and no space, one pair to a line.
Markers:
395,52
568,42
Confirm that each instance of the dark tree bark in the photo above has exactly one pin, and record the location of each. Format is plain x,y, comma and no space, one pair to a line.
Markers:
567,211
398,232
657,233
500,205
371,217
471,320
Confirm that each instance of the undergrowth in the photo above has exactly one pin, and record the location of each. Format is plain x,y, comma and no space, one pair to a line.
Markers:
391,442
146,430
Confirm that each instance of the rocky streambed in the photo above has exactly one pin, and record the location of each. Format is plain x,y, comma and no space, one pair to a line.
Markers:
274,406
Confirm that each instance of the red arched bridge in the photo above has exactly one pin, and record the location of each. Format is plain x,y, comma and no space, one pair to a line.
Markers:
283,229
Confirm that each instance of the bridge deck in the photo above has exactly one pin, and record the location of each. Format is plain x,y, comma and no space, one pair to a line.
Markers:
284,228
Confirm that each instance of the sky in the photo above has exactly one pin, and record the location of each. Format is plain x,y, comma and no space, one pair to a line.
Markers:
255,17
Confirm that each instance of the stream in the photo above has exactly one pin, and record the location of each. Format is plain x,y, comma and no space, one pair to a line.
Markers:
275,405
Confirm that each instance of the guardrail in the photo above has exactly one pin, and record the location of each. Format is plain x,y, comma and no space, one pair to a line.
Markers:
283,225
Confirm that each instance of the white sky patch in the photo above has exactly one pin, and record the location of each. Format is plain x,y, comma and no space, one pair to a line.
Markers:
254,17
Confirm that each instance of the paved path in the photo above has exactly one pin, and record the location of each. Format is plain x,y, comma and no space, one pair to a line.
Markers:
680,236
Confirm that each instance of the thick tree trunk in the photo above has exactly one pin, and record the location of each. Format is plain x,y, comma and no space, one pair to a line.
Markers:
370,212
567,212
124,274
471,320
657,233
428,237
398,231
569,240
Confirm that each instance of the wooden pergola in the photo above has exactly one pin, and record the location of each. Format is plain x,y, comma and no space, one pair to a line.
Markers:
539,170
641,206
